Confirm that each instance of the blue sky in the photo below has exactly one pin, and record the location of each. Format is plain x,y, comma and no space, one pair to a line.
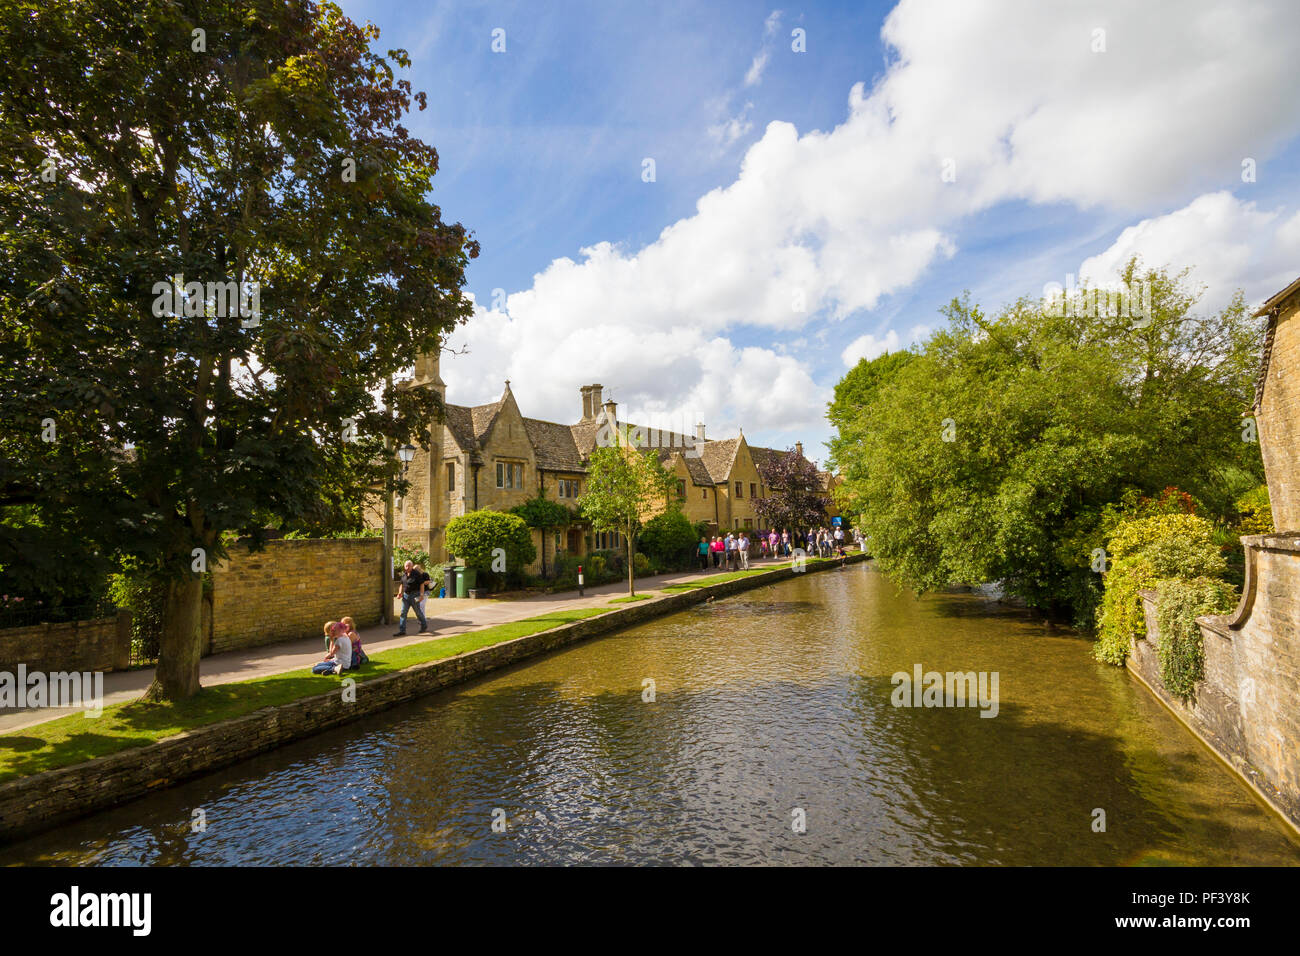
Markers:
1059,148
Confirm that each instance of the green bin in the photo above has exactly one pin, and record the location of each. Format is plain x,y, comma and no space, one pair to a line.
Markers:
465,579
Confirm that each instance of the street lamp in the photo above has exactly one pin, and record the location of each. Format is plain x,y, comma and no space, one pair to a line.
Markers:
405,454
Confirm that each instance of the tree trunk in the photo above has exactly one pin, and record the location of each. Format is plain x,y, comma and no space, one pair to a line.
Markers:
181,644
631,567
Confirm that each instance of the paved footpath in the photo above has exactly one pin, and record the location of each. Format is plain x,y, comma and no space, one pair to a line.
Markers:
446,616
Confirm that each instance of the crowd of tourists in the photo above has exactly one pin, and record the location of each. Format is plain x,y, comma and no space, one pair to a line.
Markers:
735,549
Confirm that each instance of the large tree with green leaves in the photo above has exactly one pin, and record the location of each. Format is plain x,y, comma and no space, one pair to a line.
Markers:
223,141
992,454
624,485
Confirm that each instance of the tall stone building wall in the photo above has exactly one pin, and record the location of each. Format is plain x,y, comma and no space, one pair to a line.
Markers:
1278,414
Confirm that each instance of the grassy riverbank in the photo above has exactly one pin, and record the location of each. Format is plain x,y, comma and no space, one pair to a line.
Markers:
77,737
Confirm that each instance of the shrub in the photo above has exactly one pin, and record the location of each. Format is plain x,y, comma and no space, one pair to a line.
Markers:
411,552
144,595
669,539
1182,654
1144,552
640,565
474,537
1256,512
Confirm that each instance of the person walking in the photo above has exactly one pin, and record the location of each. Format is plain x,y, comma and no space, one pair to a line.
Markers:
410,588
744,551
703,552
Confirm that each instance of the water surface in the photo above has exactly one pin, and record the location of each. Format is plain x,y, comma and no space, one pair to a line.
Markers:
769,703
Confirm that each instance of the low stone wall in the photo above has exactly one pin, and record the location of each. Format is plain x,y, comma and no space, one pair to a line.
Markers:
1247,708
288,590
98,645
43,800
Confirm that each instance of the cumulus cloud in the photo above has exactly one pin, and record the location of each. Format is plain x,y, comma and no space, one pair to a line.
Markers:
820,226
1230,243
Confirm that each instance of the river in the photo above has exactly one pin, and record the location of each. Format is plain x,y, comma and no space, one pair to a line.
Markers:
771,739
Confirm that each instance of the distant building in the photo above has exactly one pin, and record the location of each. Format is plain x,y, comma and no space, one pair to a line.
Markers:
492,456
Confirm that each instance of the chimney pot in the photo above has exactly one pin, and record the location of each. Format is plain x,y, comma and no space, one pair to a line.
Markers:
798,448
699,431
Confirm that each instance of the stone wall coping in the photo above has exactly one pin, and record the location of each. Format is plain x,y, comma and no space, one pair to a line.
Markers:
1286,541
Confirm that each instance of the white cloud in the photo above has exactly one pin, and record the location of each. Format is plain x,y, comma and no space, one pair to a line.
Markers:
1230,243
1010,91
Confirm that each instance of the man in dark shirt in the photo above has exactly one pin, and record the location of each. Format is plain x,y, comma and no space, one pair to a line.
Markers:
412,586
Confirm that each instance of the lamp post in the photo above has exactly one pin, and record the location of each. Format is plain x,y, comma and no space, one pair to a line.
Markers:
405,454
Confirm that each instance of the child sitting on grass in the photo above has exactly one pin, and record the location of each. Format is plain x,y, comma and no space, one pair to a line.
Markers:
339,657
358,655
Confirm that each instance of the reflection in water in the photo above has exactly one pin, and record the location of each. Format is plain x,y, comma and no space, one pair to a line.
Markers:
771,701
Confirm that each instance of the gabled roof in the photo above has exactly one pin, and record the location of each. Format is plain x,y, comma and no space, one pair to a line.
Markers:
694,465
718,457
553,445
1269,308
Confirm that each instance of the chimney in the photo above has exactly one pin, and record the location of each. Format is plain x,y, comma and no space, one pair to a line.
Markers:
798,448
590,401
611,408
699,432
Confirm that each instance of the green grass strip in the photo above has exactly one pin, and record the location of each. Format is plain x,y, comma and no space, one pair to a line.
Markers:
627,598
71,739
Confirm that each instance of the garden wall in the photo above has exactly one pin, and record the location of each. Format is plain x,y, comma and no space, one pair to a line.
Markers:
1247,708
292,587
99,645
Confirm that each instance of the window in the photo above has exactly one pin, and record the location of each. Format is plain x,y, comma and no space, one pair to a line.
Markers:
451,476
749,523
739,486
608,540
681,489
752,490
510,475
568,487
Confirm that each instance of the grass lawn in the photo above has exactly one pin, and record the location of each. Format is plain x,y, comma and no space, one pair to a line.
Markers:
76,737
628,598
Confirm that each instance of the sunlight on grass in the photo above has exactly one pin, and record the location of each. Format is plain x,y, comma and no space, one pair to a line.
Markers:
76,737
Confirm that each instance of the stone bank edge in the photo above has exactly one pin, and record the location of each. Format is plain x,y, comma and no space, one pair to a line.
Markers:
44,800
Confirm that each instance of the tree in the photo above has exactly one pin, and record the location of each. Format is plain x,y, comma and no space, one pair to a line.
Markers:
853,395
494,542
544,515
252,151
669,538
992,455
624,484
795,498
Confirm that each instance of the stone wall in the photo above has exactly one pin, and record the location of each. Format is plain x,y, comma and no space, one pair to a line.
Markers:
1248,706
1278,415
38,802
290,589
99,645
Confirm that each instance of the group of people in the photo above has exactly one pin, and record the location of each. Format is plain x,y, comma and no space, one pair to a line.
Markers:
734,549
342,642
343,651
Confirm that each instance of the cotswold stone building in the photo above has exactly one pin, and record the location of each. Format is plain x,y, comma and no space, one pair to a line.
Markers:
492,456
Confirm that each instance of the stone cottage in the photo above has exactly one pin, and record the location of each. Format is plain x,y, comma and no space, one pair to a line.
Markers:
493,456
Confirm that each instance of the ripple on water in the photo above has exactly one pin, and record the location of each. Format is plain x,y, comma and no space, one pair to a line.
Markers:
766,704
